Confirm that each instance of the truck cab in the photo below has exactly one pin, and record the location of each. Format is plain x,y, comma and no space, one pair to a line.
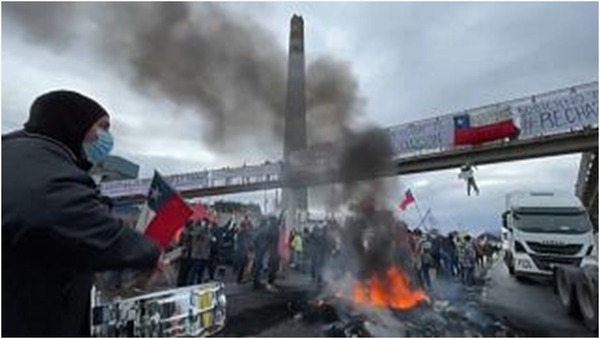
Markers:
545,229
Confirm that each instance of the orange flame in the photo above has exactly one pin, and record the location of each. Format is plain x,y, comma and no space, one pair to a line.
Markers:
391,291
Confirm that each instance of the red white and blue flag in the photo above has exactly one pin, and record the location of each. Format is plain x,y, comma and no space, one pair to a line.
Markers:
164,213
199,212
408,199
474,130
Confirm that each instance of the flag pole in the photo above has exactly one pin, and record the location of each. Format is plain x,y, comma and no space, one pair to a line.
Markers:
424,217
418,210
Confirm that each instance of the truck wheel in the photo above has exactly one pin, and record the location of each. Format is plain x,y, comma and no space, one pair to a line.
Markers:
566,292
509,263
588,303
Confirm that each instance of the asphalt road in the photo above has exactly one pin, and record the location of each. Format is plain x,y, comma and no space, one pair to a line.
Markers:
271,314
263,313
530,306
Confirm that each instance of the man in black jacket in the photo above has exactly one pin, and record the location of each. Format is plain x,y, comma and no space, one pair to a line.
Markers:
56,231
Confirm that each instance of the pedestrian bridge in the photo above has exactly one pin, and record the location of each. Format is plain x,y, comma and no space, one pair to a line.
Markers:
554,123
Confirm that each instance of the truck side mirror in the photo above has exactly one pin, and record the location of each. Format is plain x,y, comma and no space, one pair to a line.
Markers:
504,220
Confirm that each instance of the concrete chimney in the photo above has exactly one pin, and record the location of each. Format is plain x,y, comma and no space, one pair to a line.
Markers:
295,200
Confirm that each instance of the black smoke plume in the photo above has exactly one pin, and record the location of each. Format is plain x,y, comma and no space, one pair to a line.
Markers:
373,232
199,56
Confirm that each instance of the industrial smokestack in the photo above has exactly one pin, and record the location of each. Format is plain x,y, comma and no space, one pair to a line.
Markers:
295,199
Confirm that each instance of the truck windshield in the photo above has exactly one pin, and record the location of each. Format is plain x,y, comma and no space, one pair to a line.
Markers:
549,222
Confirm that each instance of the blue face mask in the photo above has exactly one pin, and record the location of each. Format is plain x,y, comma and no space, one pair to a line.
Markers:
97,151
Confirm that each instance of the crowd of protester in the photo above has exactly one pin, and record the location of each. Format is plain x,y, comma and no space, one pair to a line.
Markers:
249,251
450,256
252,252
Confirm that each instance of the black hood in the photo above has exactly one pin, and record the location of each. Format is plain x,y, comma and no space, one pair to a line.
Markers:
65,116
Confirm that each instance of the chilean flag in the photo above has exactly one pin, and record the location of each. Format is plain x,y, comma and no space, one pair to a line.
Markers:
283,248
408,199
164,213
199,212
468,131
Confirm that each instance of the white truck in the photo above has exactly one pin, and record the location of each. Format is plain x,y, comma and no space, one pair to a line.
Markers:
545,229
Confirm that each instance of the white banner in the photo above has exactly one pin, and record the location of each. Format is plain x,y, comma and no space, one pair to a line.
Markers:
490,115
141,186
316,160
254,171
189,181
572,110
125,187
427,135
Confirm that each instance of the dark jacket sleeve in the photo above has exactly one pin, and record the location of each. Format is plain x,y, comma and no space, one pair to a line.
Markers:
83,232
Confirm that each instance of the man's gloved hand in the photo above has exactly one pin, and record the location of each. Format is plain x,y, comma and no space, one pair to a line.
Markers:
161,276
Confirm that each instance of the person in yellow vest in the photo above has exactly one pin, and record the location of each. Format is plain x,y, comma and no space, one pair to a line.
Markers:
297,247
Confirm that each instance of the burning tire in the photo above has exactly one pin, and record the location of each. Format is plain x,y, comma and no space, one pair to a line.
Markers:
587,299
564,278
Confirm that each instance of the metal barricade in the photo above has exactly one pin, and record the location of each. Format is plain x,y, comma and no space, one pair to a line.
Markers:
193,311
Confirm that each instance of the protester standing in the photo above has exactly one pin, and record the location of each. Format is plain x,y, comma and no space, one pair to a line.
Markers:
56,231
448,254
260,250
200,252
425,260
307,255
185,260
468,260
216,237
479,252
272,240
318,253
436,253
243,242
298,249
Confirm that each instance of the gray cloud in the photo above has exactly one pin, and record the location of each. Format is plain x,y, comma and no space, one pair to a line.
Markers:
45,21
416,60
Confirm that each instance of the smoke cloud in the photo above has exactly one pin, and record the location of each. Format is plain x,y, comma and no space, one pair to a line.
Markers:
373,231
201,57
332,99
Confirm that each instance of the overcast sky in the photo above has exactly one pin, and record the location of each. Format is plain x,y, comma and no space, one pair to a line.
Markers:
410,61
